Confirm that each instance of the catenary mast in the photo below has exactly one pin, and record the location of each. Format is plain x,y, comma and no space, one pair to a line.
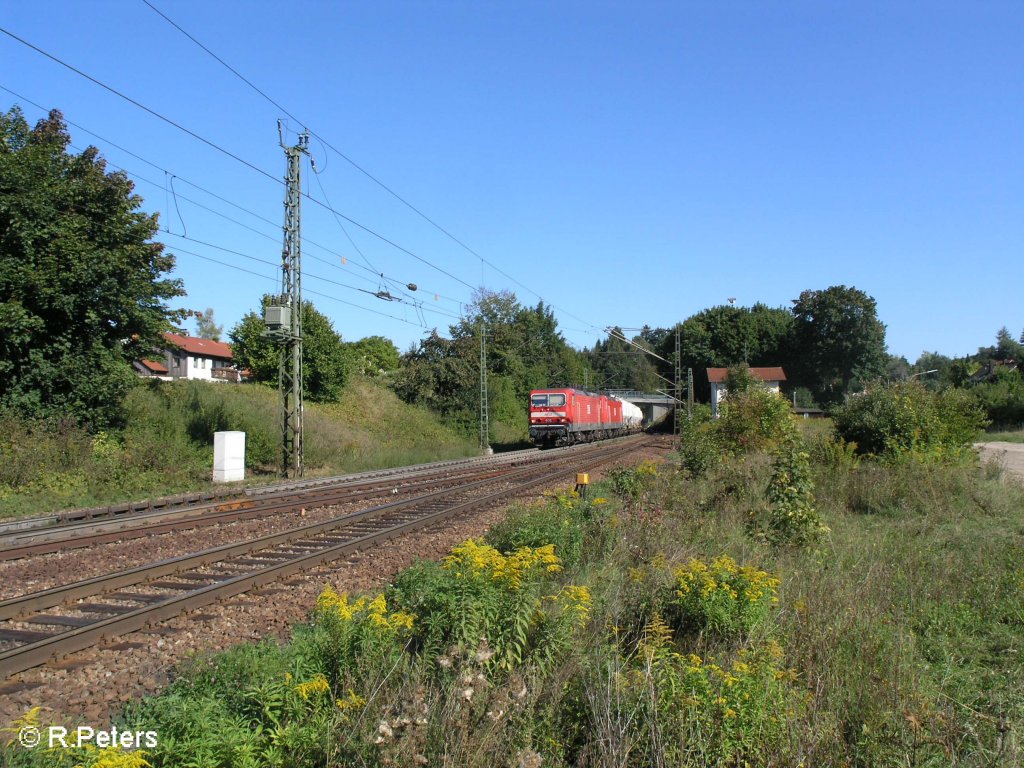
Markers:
283,315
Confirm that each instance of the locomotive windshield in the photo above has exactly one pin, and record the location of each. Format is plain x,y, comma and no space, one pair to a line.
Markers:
554,399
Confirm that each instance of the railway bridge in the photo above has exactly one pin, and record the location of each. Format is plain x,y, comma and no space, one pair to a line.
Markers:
656,406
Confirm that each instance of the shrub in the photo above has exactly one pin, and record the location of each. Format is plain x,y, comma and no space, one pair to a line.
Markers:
631,482
791,517
700,448
721,598
831,451
346,636
754,419
562,520
695,712
904,417
1002,398
478,593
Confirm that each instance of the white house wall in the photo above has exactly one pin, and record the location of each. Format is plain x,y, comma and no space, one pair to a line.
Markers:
199,368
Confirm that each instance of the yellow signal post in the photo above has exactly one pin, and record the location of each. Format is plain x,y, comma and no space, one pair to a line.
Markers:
582,481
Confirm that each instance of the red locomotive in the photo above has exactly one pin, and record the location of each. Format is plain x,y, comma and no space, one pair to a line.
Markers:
566,416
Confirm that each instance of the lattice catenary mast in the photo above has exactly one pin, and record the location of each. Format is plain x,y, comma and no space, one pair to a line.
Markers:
676,415
283,315
485,429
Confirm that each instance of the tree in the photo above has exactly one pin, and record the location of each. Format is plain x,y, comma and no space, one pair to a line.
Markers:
524,351
940,364
323,353
206,327
618,364
83,290
839,339
1006,347
373,356
897,368
724,336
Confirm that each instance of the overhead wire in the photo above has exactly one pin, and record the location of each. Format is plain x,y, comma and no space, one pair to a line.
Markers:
244,162
305,274
264,173
358,167
306,240
138,104
314,293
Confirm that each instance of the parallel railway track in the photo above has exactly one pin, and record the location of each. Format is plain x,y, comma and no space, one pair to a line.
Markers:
293,497
197,500
54,622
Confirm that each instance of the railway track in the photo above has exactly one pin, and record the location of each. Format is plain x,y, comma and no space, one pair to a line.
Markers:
198,503
54,622
290,498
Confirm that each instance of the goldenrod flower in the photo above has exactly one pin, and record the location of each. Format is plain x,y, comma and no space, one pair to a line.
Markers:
312,687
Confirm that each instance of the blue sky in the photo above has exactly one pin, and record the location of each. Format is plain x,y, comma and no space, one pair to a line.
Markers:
631,163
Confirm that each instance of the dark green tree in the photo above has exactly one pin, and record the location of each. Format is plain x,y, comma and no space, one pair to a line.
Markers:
840,341
940,364
524,351
83,290
323,353
617,364
1006,347
724,336
897,368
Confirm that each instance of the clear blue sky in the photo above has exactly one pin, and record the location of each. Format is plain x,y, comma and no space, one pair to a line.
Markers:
631,163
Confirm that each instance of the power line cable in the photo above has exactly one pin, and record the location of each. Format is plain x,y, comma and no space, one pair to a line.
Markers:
358,167
314,293
262,172
232,155
141,106
173,176
305,274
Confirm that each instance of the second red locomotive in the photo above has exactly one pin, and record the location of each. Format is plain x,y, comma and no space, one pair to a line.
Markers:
566,416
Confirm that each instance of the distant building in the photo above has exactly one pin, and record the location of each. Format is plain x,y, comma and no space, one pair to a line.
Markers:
188,357
991,369
771,378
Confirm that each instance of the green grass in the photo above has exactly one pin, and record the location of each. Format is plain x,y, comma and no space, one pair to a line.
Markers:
1015,436
166,446
895,640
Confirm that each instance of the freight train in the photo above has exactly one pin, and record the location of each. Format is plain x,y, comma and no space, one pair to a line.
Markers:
567,416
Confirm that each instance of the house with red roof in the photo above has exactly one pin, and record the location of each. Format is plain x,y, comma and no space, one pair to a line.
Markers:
771,378
189,357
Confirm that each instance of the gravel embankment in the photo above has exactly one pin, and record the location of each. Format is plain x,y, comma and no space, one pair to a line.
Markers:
89,686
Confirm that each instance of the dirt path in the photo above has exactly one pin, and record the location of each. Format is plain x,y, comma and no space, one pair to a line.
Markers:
1010,455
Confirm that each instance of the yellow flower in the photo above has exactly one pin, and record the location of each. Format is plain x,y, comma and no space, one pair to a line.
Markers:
112,757
476,559
352,701
312,687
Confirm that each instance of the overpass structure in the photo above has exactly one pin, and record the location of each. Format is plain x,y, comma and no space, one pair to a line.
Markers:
655,405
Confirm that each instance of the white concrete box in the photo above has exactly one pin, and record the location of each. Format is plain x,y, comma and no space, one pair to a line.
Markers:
228,456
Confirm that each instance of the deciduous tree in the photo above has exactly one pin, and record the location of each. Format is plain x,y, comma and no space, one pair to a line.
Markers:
323,354
83,289
840,339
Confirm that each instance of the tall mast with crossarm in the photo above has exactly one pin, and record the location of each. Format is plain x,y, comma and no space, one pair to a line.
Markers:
283,315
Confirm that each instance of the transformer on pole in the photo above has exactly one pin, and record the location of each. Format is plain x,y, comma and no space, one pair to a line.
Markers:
283,314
